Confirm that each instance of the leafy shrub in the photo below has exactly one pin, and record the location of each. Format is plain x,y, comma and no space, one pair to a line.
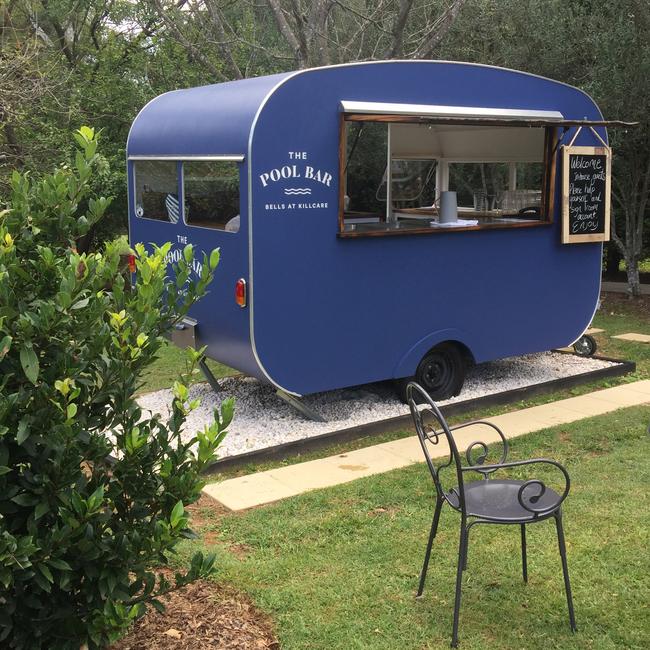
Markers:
92,490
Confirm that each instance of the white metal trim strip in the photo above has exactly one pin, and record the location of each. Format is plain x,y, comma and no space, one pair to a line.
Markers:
432,110
227,157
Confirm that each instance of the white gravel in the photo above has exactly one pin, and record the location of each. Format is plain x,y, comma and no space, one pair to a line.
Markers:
263,420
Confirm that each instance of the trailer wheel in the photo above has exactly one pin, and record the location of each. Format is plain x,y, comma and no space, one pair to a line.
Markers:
585,346
441,373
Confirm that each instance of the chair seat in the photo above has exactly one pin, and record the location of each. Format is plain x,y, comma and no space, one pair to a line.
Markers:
496,499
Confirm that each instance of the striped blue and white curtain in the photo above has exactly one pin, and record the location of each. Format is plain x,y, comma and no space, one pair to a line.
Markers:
173,208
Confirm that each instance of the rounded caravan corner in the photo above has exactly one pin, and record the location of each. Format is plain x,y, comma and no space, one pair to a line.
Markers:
249,166
588,321
142,111
203,124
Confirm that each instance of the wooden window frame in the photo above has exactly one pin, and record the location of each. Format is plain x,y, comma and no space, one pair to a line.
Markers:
551,143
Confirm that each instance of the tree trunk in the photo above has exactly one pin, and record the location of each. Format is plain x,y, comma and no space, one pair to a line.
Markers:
613,259
634,285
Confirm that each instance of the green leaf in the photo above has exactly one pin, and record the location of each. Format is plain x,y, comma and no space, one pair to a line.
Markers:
177,514
45,570
227,411
29,362
71,411
79,160
26,499
4,470
41,509
91,148
188,253
157,605
23,430
87,134
57,563
64,299
80,304
42,582
5,346
215,255
96,499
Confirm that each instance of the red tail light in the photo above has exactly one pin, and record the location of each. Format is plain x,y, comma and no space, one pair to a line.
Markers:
240,292
131,262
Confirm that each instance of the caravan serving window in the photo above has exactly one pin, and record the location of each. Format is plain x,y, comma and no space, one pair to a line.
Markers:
156,190
211,191
395,170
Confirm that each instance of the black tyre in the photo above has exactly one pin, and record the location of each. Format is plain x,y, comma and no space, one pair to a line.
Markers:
585,346
442,371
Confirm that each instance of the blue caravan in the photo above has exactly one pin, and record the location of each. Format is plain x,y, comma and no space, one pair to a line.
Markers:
379,220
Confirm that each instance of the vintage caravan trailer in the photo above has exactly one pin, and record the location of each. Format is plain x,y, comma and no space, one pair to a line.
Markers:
379,220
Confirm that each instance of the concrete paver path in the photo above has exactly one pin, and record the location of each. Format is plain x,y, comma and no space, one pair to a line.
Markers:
275,484
633,336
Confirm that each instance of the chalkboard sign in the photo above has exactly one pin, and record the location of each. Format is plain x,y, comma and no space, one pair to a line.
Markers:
586,189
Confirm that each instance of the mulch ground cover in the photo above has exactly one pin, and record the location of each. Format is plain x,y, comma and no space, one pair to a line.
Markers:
620,304
204,615
621,276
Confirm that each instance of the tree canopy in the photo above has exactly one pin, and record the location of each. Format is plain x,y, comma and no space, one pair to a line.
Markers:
69,62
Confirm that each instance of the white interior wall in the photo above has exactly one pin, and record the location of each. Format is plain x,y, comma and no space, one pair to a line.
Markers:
467,143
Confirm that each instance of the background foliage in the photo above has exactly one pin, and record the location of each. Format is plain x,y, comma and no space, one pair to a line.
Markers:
70,62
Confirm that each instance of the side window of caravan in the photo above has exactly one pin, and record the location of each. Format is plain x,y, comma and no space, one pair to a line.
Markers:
156,190
211,190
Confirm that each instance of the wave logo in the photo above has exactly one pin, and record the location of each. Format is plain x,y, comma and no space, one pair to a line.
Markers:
290,191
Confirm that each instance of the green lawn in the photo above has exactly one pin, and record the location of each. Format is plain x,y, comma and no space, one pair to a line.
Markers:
619,315
170,362
338,568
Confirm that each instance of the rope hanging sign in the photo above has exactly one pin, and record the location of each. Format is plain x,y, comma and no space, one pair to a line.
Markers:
586,193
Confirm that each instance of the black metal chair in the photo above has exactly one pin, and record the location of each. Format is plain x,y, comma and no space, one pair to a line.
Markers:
487,500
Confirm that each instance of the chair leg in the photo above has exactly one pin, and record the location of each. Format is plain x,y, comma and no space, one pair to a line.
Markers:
524,562
432,534
462,557
466,549
565,569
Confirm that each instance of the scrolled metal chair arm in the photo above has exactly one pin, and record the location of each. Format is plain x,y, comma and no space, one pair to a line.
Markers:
483,445
529,484
534,498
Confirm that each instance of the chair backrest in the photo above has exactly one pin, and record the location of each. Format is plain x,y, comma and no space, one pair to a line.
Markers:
431,428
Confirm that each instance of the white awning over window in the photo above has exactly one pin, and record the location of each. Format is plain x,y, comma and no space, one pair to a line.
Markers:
432,110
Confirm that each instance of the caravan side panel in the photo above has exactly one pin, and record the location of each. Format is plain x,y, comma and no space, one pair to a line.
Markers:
329,312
